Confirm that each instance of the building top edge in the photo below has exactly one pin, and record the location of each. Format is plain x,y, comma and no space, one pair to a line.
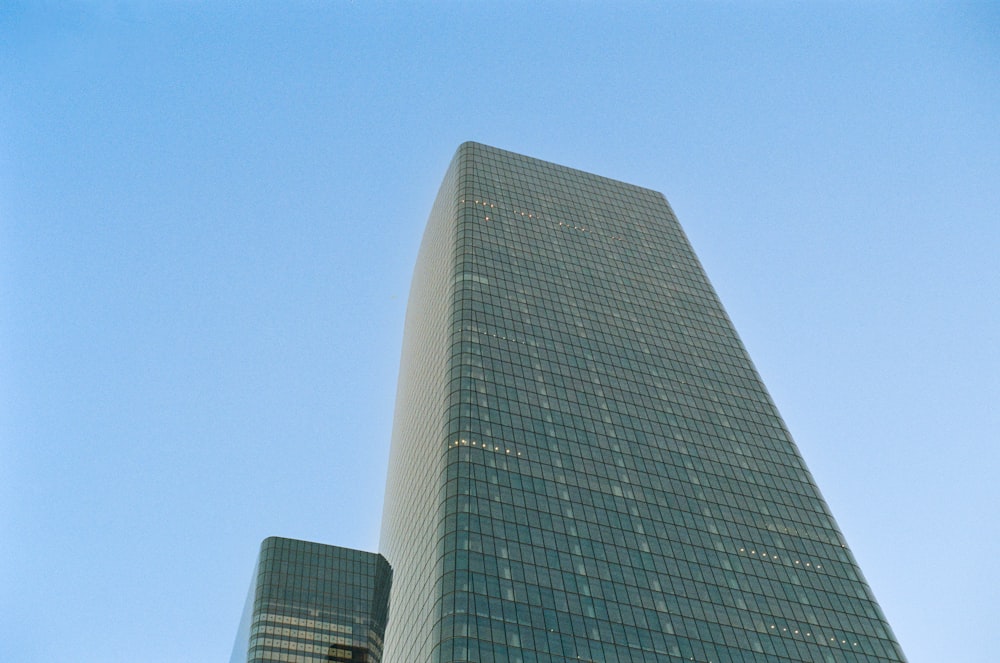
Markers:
273,542
466,148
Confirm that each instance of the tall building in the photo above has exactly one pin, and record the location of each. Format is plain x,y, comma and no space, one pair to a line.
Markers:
585,465
313,603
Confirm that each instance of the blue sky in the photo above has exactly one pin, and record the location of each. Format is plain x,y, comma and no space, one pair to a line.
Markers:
209,215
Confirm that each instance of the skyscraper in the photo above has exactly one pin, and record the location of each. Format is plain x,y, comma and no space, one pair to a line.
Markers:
585,465
311,602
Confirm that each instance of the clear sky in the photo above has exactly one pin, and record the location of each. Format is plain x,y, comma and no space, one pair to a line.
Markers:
209,215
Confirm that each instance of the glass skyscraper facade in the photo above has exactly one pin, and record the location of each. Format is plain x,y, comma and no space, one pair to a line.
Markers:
311,602
585,465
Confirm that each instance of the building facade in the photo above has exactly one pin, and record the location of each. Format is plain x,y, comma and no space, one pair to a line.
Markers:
585,465
310,602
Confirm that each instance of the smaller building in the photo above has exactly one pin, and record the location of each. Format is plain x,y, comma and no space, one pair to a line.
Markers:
311,602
